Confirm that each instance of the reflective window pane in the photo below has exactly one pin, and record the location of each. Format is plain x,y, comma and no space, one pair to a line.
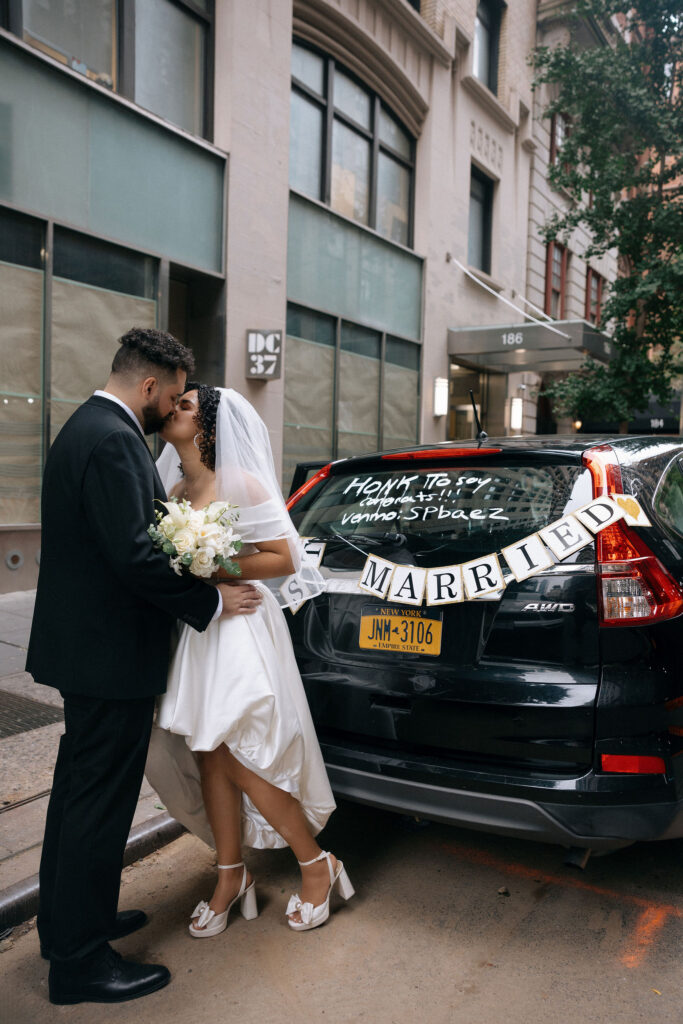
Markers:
351,99
403,353
169,63
21,240
305,145
360,340
304,323
350,173
108,266
557,267
479,236
309,68
391,133
80,33
393,199
475,240
482,51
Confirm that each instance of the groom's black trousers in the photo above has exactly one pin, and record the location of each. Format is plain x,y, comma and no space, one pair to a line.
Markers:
97,780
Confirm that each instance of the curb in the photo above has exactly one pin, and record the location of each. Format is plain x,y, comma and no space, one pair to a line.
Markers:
19,902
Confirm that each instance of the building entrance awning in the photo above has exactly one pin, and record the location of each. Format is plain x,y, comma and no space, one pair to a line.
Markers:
510,348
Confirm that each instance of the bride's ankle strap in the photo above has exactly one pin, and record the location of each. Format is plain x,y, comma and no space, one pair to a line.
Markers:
307,863
224,867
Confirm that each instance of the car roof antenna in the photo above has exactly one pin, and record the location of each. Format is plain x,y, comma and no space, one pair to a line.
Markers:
481,434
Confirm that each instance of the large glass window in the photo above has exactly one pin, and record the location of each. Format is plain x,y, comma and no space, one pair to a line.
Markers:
556,280
347,149
481,216
80,33
350,173
156,52
486,43
560,127
594,288
170,63
348,389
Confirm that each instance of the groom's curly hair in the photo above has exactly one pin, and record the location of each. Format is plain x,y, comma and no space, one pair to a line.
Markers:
208,399
146,351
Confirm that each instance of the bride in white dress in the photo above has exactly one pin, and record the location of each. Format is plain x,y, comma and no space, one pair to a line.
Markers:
234,755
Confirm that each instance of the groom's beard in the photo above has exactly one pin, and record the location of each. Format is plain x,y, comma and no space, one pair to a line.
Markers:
152,420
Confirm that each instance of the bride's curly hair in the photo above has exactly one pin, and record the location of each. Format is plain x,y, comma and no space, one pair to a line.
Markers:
208,399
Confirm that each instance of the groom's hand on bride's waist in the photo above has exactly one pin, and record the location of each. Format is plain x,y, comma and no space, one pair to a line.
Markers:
239,598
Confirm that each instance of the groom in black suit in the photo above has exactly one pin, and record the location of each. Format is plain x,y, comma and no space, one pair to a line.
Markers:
105,604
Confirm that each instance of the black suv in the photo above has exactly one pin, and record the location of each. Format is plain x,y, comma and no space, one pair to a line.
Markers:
551,708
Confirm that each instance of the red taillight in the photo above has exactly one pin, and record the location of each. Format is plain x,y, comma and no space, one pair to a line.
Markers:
309,485
634,588
443,453
632,764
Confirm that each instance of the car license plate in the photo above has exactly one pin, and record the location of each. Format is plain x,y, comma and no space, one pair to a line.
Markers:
387,628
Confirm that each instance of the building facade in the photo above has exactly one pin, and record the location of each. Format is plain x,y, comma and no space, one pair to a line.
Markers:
336,203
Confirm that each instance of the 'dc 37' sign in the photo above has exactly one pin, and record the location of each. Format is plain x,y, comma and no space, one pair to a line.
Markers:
264,355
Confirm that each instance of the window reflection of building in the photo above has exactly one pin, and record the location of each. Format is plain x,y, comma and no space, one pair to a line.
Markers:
346,149
154,52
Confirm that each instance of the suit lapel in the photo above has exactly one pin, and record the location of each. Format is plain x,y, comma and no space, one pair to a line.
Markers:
114,407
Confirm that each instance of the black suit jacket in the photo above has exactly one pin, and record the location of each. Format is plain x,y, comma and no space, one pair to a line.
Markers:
106,598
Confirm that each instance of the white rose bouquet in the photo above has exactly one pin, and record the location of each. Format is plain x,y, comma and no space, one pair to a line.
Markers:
199,540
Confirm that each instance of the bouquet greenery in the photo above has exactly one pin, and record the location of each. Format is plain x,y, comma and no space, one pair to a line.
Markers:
199,540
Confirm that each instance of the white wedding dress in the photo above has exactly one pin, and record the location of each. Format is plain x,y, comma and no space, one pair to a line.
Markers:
238,683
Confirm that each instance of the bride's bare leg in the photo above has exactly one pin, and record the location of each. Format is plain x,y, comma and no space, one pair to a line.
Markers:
222,802
284,813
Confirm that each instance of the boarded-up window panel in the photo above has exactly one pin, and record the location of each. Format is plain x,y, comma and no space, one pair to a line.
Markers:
86,325
400,411
358,404
309,390
21,329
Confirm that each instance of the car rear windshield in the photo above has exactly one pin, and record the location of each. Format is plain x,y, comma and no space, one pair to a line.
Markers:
459,509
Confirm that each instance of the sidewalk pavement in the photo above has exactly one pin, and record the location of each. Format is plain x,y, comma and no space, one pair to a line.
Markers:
31,723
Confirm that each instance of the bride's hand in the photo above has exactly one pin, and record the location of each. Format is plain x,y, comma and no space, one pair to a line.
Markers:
239,599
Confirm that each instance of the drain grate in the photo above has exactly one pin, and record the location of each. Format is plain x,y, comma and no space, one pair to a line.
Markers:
21,714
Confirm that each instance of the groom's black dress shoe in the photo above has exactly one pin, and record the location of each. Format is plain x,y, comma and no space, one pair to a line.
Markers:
109,979
127,921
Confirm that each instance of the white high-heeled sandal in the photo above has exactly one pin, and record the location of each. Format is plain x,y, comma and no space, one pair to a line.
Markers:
312,917
210,923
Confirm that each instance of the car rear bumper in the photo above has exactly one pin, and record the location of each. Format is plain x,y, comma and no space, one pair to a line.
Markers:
597,826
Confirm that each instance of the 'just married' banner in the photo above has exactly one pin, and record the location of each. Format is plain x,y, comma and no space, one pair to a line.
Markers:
480,578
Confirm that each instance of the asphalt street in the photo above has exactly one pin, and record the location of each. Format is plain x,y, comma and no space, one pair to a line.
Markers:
447,926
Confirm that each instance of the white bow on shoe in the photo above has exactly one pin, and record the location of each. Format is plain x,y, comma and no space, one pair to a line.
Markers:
210,923
312,917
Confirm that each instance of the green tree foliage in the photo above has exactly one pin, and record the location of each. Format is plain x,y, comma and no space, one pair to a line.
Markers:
621,166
